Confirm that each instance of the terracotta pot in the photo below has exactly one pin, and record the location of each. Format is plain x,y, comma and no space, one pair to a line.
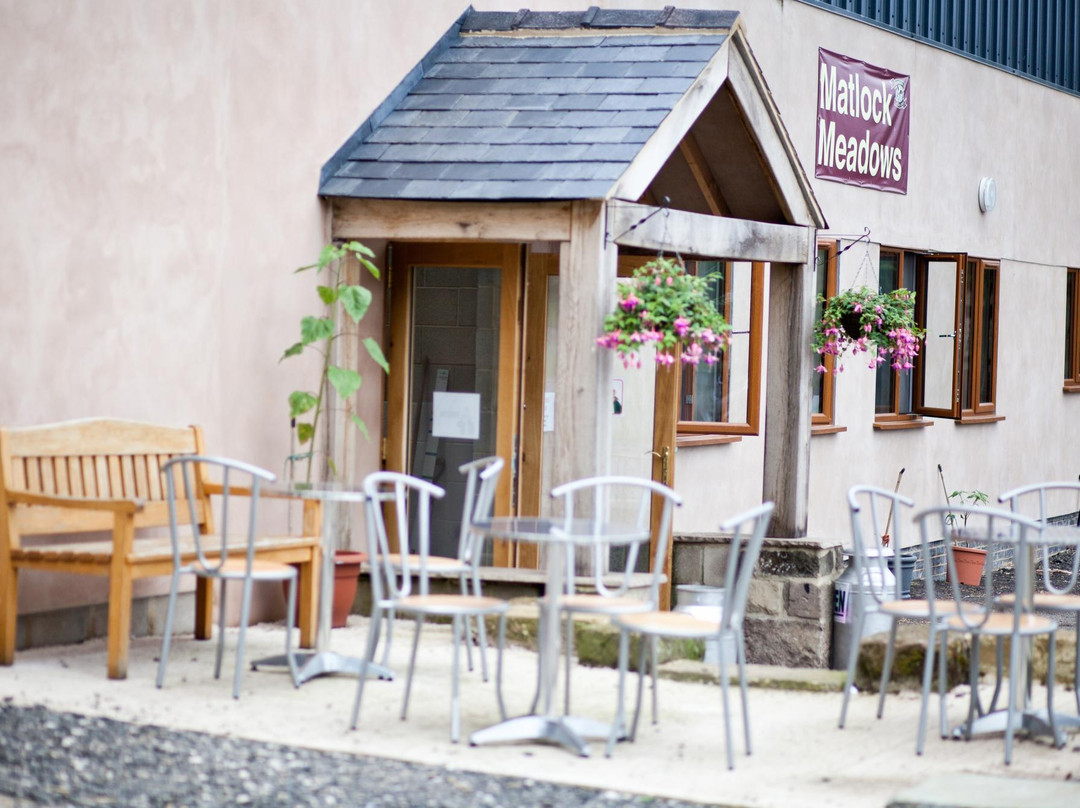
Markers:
969,565
346,580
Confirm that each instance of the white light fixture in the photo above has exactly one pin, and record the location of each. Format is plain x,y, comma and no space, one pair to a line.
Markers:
987,194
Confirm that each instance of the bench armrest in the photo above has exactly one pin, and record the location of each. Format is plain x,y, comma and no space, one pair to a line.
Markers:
77,503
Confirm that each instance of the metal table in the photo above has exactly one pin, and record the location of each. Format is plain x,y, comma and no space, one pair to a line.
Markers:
324,661
550,726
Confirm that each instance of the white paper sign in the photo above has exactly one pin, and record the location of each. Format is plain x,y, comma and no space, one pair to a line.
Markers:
549,412
456,415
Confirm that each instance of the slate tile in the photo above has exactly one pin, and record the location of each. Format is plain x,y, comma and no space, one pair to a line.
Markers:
639,118
602,134
638,134
532,102
368,151
622,102
585,189
562,86
367,169
340,186
597,55
617,85
397,134
428,86
546,41
665,85
470,86
608,171
612,151
419,171
509,70
457,152
545,134
428,102
496,101
606,69
410,152
493,171
570,171
456,70
642,53
379,188
515,86
400,117
448,117
529,189
549,51
502,54
668,39
664,69
426,189
554,70
457,53
583,118
690,53
577,102
536,152
531,118
469,134
488,117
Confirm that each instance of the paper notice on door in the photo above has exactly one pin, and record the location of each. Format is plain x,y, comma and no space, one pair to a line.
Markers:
549,412
456,415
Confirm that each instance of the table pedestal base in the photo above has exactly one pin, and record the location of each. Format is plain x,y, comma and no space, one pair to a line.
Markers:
1033,722
323,663
569,732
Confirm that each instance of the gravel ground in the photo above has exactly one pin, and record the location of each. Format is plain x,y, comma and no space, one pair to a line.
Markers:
50,758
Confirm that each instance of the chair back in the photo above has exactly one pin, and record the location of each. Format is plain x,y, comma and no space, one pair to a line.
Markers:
388,495
238,479
626,502
747,536
877,516
481,480
966,526
1044,501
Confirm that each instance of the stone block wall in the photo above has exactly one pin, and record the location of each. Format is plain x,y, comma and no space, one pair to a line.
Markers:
789,608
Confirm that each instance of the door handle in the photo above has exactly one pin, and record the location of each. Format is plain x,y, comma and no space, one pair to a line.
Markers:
665,456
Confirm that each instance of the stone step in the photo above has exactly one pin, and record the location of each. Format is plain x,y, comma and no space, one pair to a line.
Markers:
985,791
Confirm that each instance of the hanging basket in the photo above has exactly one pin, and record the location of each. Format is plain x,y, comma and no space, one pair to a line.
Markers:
851,324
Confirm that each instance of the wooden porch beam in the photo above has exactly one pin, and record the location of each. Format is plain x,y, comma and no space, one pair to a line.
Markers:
419,220
699,169
710,236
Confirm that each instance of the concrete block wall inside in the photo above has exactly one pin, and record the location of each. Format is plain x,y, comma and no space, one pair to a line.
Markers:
789,608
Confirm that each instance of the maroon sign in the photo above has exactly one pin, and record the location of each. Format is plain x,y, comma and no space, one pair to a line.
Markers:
862,124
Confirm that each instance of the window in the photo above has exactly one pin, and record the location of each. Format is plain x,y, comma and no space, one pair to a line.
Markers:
823,384
723,398
1072,332
893,392
957,304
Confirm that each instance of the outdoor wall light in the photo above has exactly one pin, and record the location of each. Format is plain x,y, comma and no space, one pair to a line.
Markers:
987,194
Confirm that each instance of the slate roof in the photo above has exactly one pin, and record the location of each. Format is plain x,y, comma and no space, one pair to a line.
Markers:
556,111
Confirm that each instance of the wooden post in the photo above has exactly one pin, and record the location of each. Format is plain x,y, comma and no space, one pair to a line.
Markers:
786,475
665,424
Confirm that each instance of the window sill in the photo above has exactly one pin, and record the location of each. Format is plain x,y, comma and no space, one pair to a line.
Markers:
690,439
1071,387
826,429
909,423
968,420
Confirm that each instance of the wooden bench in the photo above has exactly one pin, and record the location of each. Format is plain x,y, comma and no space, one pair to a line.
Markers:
61,480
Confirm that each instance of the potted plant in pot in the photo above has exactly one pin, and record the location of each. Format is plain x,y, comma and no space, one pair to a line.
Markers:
970,560
880,324
344,303
664,306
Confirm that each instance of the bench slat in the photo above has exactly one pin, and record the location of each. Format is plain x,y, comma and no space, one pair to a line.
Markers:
153,478
152,549
115,485
33,475
75,476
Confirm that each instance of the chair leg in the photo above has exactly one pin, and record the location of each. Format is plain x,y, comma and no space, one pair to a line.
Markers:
245,616
166,640
928,674
1015,691
973,685
462,582
942,659
886,669
291,610
369,655
853,656
1000,672
724,686
740,650
569,618
642,672
1059,741
499,664
412,665
653,667
1076,667
619,723
458,624
390,616
221,630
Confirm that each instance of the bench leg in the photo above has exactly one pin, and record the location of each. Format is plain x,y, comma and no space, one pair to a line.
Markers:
119,620
204,608
308,597
9,600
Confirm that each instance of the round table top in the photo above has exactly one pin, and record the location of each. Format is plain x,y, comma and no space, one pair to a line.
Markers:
559,531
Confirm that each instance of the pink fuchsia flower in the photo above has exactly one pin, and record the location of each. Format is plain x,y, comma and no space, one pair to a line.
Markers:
682,326
630,302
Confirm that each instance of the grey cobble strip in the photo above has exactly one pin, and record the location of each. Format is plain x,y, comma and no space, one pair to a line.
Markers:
50,758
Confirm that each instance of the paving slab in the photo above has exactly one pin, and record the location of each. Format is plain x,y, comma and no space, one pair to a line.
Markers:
981,791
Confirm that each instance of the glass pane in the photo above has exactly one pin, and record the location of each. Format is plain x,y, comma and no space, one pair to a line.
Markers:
937,350
1070,323
986,343
885,386
821,277
968,337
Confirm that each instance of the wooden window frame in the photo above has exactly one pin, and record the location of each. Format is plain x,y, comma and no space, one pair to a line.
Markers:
894,419
822,422
1072,331
753,393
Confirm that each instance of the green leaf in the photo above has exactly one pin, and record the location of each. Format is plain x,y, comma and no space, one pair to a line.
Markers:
356,300
374,270
345,381
293,350
329,254
328,294
304,432
361,426
313,329
376,353
301,402
359,249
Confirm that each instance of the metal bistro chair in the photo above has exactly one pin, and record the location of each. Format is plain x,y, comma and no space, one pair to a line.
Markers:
392,583
747,535
596,498
220,557
481,480
1055,598
998,530
874,511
